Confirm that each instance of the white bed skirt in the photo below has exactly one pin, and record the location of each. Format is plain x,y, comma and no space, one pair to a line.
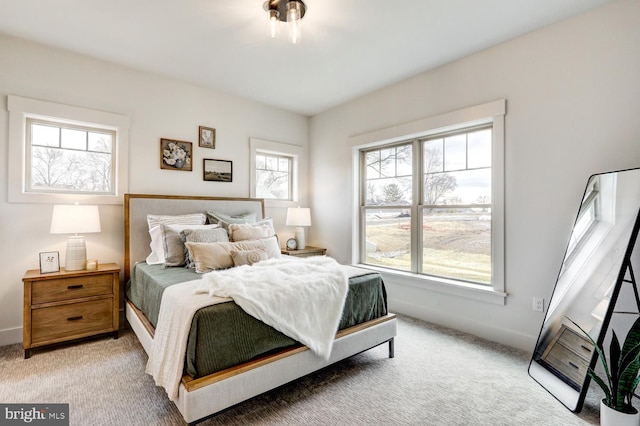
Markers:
217,396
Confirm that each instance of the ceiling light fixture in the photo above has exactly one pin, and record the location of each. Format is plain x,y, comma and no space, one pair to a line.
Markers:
291,11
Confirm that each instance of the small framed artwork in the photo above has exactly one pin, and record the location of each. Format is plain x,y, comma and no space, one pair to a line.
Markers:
206,137
218,170
175,155
49,262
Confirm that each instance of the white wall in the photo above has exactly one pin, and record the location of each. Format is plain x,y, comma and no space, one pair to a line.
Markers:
573,98
158,108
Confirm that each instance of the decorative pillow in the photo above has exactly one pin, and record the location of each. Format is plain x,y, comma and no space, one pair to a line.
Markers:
224,220
248,257
172,242
155,231
253,231
211,256
213,235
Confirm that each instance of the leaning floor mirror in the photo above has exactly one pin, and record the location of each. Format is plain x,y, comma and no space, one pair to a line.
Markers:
596,264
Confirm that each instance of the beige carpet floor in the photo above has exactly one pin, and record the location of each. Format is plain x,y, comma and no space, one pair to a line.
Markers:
438,377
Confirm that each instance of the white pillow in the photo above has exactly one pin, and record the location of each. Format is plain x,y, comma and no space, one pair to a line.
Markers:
208,257
155,231
252,231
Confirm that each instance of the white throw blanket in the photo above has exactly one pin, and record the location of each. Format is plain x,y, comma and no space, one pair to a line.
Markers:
178,306
302,298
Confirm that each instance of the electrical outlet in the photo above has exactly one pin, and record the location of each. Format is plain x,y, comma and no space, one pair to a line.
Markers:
538,304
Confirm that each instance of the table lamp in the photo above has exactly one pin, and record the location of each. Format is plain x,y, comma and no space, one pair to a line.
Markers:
75,219
299,217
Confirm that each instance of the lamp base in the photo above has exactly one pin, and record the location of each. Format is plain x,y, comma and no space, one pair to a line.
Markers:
76,258
299,236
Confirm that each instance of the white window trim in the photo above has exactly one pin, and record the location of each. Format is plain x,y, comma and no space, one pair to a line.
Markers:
492,112
278,148
21,108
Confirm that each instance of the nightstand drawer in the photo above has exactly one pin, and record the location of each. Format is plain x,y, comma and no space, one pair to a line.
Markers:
71,321
71,288
568,363
578,344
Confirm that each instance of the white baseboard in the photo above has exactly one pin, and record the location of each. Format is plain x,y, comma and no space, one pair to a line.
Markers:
9,336
484,330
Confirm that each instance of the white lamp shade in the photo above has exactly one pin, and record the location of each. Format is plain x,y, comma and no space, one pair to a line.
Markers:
75,219
299,216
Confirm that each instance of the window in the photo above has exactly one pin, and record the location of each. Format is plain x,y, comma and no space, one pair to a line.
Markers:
430,199
275,171
70,159
273,176
62,153
454,210
588,215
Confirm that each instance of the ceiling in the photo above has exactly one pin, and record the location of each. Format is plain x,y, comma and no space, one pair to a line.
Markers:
348,47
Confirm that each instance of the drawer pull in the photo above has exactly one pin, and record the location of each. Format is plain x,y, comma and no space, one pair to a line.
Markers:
586,348
573,365
79,317
75,287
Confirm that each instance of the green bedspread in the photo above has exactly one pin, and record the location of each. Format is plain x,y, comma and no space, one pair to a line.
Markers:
223,335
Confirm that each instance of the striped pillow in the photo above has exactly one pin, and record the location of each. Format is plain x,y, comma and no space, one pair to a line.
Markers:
157,255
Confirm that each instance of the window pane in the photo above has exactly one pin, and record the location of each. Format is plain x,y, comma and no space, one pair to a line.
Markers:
455,152
479,149
272,184
261,162
68,170
469,187
388,162
283,164
272,163
388,238
457,244
433,156
45,135
73,139
372,161
389,192
388,176
100,142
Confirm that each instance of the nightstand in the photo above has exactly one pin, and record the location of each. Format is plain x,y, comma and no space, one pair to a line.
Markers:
305,252
69,305
570,354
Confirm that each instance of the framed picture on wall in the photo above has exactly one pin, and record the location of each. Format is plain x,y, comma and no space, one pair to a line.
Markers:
175,155
49,262
206,137
218,170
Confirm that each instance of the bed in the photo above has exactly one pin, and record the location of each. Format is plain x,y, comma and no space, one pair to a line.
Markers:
209,387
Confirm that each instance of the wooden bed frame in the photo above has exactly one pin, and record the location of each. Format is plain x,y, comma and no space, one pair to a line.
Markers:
206,396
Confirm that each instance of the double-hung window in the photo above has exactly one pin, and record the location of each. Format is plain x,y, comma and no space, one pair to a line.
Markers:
430,204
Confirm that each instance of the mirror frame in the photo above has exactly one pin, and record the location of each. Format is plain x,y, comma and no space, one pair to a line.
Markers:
553,382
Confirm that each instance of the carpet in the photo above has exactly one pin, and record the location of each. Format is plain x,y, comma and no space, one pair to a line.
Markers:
439,376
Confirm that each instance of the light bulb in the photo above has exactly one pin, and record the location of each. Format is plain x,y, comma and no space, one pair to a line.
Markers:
274,27
294,19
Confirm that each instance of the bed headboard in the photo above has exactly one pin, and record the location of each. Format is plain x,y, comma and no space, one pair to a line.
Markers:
137,206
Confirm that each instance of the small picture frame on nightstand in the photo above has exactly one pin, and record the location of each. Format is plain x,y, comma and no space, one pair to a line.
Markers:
49,262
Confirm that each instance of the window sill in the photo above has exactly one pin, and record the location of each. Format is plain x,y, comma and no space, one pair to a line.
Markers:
441,285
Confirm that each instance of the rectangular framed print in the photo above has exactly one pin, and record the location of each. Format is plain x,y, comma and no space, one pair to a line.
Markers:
218,170
206,137
49,262
175,155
